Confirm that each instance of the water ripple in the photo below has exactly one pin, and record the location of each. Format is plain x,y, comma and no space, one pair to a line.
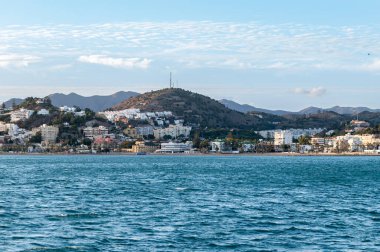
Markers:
148,203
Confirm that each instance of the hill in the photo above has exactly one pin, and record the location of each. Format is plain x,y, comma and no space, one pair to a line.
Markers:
197,109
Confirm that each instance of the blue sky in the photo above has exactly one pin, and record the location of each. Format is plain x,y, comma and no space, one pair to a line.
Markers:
273,54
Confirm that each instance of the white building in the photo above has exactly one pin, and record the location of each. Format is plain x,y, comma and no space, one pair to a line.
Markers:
80,113
317,141
3,127
67,109
283,137
144,130
173,130
369,139
353,142
91,132
175,147
21,114
217,146
297,133
49,133
13,129
135,114
43,112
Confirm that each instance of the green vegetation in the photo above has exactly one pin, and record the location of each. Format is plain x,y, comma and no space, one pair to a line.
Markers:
37,138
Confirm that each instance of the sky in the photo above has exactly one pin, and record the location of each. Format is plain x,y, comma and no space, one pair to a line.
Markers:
275,54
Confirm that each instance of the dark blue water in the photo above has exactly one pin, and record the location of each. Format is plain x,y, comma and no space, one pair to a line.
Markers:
149,203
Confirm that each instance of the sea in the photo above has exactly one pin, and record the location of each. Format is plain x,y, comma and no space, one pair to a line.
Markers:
189,203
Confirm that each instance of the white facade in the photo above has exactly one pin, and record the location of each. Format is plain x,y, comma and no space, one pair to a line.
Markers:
135,114
80,113
173,130
144,130
20,115
283,137
3,127
91,132
67,109
175,147
217,146
297,133
49,133
318,141
13,129
43,112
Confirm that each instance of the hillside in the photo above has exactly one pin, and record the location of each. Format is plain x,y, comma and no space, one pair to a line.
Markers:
197,109
323,119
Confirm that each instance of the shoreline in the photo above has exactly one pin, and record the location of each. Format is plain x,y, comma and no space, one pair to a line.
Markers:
268,154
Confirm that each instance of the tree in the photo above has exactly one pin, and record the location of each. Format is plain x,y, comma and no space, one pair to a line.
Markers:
230,136
87,142
304,140
342,146
167,137
89,113
204,145
196,140
127,144
37,138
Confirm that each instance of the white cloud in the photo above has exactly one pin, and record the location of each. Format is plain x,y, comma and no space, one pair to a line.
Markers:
16,60
373,66
282,47
128,63
313,92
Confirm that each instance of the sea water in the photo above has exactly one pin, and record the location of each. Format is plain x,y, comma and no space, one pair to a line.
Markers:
189,203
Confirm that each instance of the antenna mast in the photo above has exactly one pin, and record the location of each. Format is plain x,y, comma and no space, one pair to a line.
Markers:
170,81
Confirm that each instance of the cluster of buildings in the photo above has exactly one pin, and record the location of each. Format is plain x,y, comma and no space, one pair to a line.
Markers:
73,110
368,143
284,141
159,118
292,133
10,132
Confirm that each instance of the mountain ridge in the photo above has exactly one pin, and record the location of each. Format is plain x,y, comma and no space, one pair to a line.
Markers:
101,102
309,110
96,103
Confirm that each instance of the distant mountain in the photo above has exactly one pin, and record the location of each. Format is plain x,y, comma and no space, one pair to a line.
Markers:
96,103
312,110
351,110
11,102
244,108
197,109
339,110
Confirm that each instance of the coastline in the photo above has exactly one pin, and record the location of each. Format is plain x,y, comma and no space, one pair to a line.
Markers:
267,154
